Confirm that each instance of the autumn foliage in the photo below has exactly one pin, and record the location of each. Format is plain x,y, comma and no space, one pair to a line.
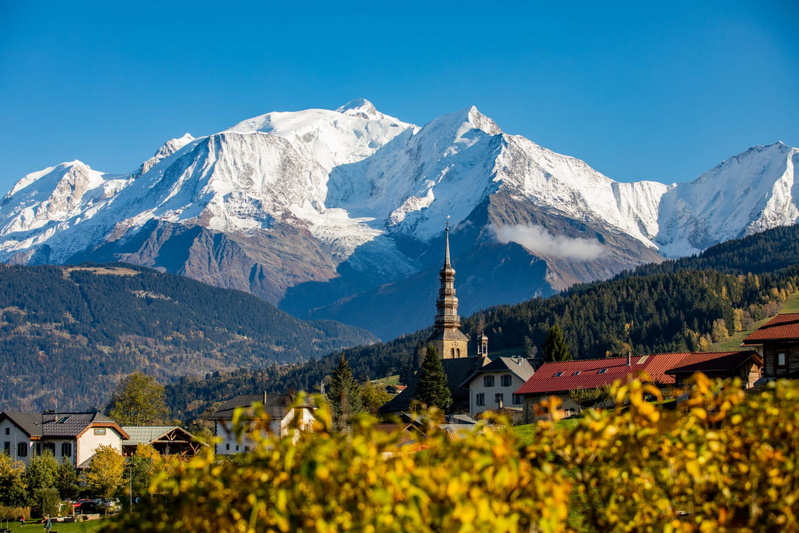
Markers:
723,459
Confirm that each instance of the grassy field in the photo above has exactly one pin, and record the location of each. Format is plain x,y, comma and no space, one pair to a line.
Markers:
733,343
75,527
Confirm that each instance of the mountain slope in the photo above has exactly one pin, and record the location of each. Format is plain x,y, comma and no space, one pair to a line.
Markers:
67,334
672,306
328,213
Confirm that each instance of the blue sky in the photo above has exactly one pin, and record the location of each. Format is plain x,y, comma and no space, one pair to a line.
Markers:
639,90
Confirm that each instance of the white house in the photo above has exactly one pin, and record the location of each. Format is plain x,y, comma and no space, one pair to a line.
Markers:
70,437
282,414
493,386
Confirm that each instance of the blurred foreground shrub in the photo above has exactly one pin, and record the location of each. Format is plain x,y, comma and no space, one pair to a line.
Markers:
723,460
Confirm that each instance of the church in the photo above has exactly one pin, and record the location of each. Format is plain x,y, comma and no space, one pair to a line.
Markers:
452,346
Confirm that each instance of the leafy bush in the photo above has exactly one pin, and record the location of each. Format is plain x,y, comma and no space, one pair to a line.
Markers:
723,460
8,513
361,480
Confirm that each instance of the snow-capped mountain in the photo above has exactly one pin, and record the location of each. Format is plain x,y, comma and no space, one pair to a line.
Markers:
340,214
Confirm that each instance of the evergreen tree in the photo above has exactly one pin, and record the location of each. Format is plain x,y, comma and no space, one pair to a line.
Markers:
555,347
344,394
67,481
431,387
138,401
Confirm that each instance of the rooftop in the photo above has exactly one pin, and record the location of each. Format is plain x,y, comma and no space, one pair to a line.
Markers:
781,327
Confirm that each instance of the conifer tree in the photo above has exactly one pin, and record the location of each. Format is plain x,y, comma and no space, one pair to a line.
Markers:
431,387
344,394
555,347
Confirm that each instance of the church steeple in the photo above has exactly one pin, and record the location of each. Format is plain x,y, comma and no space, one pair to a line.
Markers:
447,336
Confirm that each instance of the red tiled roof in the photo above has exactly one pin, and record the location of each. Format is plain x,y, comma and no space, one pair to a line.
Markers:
714,362
593,373
781,327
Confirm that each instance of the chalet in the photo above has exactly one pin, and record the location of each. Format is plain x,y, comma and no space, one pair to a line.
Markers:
669,369
777,341
72,437
493,386
282,411
167,440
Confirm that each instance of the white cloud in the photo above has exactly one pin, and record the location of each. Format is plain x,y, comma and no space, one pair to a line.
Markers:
540,241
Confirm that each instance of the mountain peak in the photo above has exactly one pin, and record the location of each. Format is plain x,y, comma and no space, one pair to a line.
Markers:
360,107
482,122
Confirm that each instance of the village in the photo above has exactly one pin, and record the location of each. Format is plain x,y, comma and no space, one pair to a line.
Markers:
515,387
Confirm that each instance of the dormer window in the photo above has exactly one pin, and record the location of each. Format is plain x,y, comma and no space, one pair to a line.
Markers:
557,374
602,371
577,373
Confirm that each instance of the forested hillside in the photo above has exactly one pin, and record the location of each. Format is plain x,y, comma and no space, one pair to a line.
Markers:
679,305
67,334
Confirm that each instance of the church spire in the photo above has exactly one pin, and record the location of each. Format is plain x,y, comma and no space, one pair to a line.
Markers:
447,336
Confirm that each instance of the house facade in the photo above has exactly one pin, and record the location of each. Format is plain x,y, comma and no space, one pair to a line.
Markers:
777,342
493,386
72,437
283,415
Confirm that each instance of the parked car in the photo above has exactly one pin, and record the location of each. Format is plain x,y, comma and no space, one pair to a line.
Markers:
87,506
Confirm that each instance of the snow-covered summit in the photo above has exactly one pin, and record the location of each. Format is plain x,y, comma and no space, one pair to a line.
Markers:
314,195
361,107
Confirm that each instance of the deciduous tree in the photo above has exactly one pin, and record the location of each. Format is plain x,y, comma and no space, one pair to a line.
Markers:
138,401
106,474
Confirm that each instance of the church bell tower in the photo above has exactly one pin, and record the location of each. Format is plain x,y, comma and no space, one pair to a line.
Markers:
447,337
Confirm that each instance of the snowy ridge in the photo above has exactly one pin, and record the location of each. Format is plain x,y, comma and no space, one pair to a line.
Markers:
355,177
750,192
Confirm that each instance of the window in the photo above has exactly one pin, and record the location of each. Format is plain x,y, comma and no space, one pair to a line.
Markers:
7,447
8,431
517,399
99,431
66,449
488,381
557,374
452,352
499,399
602,371
22,449
50,447
577,373
480,399
781,360
38,448
506,380
458,351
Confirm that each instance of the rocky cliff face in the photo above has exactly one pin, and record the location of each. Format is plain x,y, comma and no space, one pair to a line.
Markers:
340,214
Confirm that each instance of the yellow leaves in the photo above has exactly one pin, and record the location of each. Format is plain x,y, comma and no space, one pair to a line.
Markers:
721,460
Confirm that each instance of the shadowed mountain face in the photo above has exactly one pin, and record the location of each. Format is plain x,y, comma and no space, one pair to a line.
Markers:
340,214
68,334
